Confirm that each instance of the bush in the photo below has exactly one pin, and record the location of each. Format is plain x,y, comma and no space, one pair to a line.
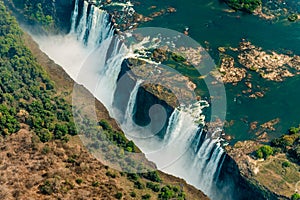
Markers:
264,152
46,149
293,17
8,121
166,193
105,125
153,187
294,130
95,184
295,196
244,5
110,174
79,181
146,197
286,164
119,195
259,154
46,188
132,177
139,185
132,194
152,176
44,134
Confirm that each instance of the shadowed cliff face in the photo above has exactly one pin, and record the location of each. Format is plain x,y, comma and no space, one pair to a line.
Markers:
144,101
63,12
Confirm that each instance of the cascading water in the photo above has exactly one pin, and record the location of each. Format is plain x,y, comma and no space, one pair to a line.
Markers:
94,25
131,102
74,16
95,30
199,156
186,150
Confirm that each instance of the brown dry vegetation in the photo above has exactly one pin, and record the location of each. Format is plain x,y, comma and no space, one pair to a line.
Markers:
27,164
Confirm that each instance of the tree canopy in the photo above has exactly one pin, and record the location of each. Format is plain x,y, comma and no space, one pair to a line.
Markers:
27,94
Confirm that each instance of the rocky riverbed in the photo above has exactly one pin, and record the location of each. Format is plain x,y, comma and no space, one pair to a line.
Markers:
269,64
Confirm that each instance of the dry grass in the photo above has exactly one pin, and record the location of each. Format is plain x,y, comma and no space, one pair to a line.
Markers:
278,178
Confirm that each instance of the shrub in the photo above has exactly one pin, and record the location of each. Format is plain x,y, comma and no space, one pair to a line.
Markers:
264,152
166,193
146,197
79,181
46,188
294,130
133,194
293,17
110,174
119,195
153,187
152,176
132,177
245,5
95,184
286,164
105,125
295,196
139,185
259,154
46,149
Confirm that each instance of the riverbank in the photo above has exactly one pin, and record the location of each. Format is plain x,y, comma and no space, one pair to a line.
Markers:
271,173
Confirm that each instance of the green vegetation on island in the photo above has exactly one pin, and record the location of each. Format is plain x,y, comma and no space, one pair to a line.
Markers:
244,5
293,17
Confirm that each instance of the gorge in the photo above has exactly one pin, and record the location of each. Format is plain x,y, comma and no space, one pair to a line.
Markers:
198,152
91,44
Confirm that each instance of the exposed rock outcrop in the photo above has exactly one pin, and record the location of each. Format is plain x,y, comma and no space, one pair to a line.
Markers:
270,65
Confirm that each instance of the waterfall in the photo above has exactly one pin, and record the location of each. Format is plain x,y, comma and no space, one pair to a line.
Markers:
107,83
82,26
185,150
131,102
74,17
102,67
202,160
199,154
172,125
94,25
98,20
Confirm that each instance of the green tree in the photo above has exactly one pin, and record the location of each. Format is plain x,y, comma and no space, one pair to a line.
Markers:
264,151
295,196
